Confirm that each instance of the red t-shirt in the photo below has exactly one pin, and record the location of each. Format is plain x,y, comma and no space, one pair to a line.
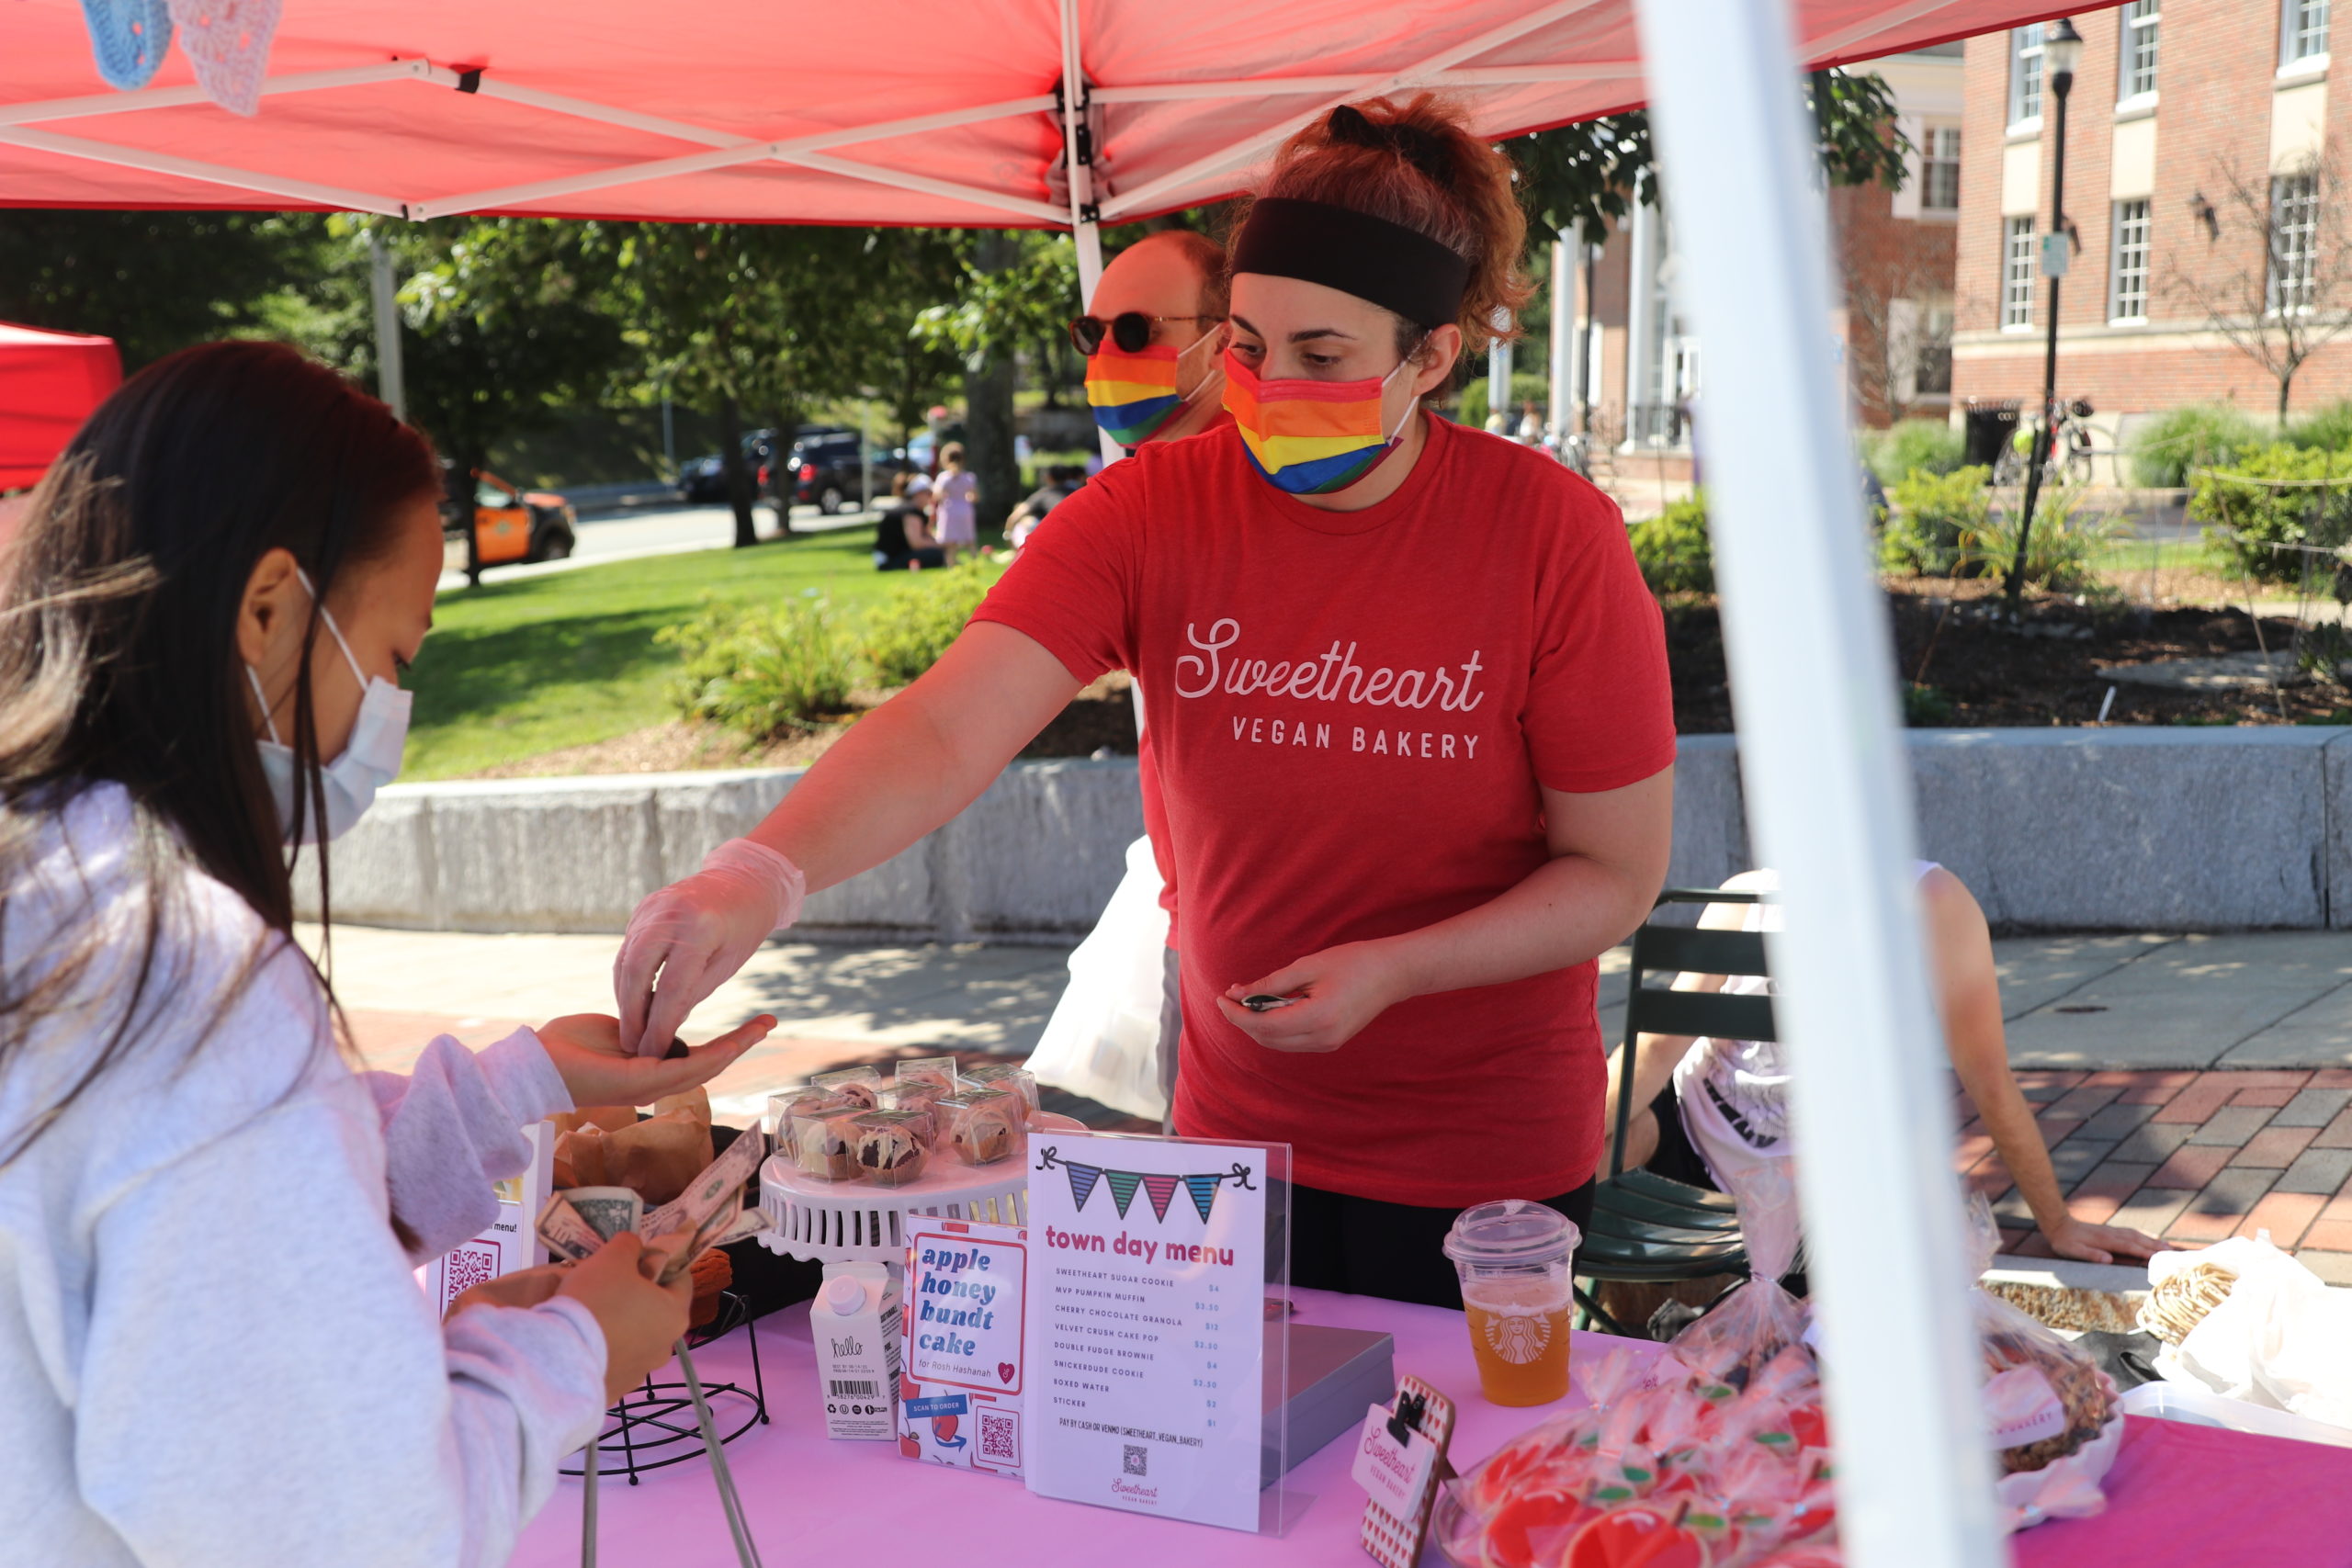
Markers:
1155,812
1350,713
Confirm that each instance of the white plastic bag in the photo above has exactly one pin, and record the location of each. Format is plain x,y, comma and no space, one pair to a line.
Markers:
1104,1039
2280,1339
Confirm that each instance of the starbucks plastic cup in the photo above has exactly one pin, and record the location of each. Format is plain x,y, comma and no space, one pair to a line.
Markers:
1515,1260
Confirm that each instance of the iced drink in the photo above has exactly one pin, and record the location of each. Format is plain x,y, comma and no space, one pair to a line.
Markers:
1515,1260
1519,1330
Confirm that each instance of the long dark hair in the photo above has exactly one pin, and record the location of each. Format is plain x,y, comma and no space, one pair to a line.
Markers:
119,596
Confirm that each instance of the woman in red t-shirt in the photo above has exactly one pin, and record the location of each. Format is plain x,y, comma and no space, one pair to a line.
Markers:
1409,701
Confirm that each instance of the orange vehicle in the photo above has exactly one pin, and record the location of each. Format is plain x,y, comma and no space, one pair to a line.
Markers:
512,524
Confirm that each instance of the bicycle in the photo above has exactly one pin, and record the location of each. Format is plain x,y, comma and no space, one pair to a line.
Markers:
2069,452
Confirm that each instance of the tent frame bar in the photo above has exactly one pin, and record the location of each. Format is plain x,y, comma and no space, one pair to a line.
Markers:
1089,205
1156,192
1356,87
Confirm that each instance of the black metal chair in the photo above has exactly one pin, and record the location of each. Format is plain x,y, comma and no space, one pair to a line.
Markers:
1647,1228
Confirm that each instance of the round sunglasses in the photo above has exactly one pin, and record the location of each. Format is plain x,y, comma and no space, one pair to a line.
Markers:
1130,330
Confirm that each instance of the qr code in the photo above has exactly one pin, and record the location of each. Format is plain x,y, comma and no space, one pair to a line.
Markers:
1139,1459
465,1267
997,1438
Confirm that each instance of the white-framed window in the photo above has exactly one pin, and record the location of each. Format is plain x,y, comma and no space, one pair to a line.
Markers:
2025,73
2294,241
2136,48
2017,272
2127,272
1940,168
2303,31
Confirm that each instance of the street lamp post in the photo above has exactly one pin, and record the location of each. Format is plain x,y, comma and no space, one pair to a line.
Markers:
2062,48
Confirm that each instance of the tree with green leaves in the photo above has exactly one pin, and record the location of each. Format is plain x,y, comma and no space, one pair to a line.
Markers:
153,281
1013,287
1587,175
749,316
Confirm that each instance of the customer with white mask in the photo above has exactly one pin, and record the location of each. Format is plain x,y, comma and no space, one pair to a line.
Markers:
213,1346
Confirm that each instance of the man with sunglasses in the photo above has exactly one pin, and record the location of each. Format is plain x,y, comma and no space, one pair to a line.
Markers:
1152,369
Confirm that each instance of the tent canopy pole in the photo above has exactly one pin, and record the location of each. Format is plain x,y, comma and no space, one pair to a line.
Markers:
1821,753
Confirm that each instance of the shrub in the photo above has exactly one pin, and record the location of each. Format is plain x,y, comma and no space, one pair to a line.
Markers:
1915,446
2194,435
1932,513
1673,550
1526,387
2066,542
2329,430
2266,497
905,635
763,670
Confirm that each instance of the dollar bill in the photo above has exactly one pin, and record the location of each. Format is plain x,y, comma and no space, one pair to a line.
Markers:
708,1193
727,1225
566,1234
609,1211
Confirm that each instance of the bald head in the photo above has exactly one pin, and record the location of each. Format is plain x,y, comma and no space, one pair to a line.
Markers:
1177,277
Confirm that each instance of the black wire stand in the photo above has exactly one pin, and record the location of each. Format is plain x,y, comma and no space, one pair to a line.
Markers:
656,1426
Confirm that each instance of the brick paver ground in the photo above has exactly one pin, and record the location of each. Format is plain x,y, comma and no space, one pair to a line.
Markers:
2194,1157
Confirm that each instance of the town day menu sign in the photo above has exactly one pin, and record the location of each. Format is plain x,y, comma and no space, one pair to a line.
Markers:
1145,1337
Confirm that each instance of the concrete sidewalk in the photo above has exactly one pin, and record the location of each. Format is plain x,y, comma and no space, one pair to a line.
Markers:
2194,1087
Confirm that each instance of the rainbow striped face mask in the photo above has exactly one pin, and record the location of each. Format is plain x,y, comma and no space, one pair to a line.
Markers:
1311,438
1132,395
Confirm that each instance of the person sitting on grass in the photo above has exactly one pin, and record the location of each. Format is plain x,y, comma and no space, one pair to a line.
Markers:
1061,482
902,539
1714,1113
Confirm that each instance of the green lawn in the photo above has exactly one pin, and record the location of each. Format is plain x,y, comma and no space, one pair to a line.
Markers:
515,669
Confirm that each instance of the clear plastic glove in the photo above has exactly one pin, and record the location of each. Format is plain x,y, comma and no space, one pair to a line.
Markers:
695,933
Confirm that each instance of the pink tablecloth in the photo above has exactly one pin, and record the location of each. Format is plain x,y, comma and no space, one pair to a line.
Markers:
2179,1496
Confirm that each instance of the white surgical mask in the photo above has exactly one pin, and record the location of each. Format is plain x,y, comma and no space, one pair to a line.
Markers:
368,761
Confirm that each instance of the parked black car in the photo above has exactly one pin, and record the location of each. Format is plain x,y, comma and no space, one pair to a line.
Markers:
703,480
823,469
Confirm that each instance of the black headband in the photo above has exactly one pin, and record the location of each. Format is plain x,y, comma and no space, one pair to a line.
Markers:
1356,254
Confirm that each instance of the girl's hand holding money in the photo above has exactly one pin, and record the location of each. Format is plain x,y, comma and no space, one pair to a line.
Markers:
524,1288
599,1070
641,1320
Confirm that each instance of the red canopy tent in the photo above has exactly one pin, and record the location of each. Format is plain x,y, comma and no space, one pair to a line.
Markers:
48,383
1074,112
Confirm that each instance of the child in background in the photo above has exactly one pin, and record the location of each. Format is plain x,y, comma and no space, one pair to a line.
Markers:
958,503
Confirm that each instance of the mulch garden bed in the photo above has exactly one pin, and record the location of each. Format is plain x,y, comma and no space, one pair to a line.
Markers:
1975,670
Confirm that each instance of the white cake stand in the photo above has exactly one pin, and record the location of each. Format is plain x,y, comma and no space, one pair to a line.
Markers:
858,1222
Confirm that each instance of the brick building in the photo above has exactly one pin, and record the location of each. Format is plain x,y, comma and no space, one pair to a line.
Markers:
1639,364
2205,204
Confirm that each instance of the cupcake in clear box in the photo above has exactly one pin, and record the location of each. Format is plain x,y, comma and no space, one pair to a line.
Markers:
1011,1079
982,1125
824,1143
861,1083
892,1147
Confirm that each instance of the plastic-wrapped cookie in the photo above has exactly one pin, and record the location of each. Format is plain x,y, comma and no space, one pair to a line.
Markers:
824,1143
982,1125
891,1146
1012,1080
861,1083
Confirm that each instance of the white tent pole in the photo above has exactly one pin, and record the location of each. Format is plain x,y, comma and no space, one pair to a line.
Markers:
977,195
177,98
1822,755
1085,217
391,382
1559,368
189,169
1143,196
